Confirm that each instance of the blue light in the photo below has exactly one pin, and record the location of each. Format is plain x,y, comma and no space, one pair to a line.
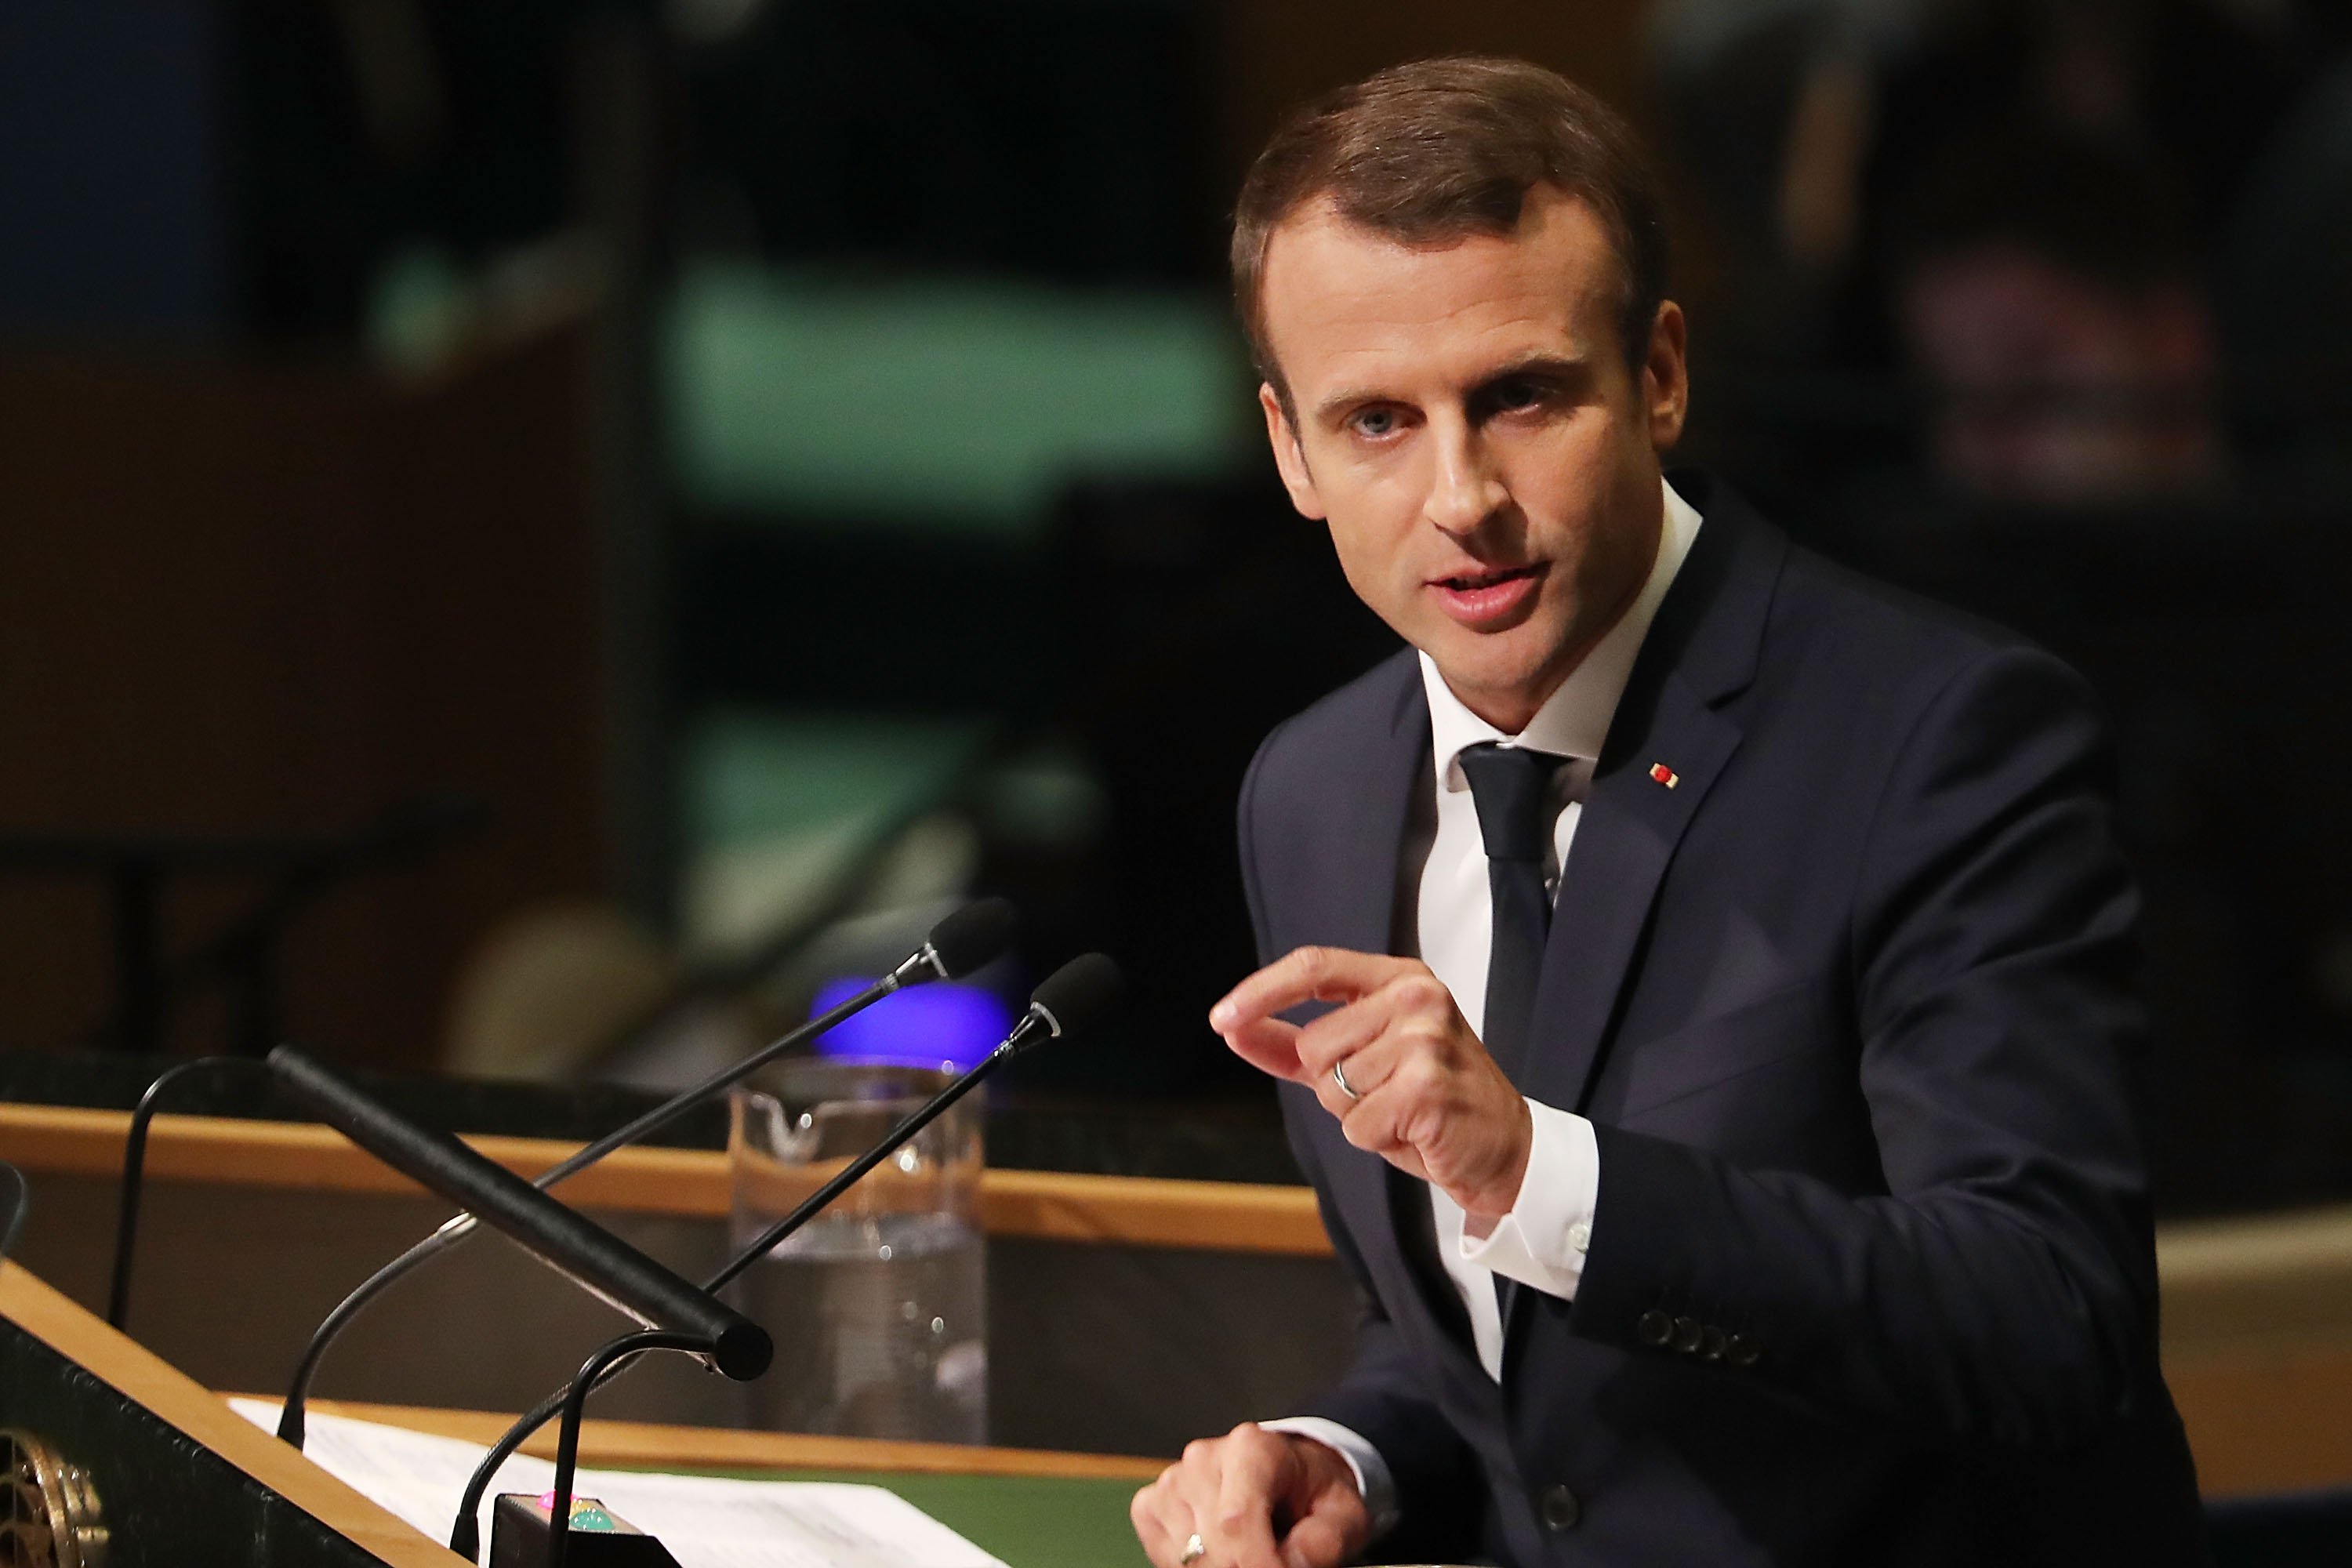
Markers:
941,1024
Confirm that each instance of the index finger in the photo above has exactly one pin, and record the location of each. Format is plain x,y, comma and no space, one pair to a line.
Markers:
1302,974
1242,1517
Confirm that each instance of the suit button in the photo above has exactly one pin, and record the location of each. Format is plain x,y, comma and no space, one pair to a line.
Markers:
1742,1351
1560,1508
1687,1334
1713,1341
1655,1327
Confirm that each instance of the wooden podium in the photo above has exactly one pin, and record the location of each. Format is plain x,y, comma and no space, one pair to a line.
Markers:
180,1478
177,1476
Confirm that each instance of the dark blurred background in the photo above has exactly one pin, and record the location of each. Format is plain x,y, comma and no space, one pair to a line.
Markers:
533,535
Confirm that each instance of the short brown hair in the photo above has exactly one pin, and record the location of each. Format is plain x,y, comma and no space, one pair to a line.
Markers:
1436,151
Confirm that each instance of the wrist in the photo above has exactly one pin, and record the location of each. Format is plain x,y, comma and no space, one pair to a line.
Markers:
1498,1195
1321,1461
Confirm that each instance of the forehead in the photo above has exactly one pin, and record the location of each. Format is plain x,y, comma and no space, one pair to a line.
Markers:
1341,303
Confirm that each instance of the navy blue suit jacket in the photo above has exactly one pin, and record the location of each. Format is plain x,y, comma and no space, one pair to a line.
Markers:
1851,1007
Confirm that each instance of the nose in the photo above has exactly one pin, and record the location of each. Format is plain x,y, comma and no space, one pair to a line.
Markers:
1466,489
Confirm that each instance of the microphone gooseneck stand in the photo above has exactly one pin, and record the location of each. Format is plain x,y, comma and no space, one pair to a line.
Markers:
604,1358
134,1169
19,1205
959,944
1074,997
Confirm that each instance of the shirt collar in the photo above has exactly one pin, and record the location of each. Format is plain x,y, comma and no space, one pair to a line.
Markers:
1574,720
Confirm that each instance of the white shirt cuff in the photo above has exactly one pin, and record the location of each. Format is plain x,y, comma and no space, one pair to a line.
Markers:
1373,1482
1541,1242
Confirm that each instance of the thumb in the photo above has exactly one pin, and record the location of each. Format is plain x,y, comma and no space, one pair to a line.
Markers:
1269,1045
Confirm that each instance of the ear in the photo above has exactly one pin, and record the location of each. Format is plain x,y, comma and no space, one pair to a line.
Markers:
1665,376
1287,455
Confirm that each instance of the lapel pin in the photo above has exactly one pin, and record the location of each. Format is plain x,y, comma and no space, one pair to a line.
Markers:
1664,774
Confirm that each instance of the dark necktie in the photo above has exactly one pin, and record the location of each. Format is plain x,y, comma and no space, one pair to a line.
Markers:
1511,787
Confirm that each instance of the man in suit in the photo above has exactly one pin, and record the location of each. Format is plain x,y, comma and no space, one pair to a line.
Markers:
1701,980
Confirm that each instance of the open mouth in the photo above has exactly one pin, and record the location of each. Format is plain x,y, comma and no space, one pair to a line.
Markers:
1486,601
1471,583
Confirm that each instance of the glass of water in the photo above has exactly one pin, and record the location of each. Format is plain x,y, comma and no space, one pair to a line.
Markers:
878,1305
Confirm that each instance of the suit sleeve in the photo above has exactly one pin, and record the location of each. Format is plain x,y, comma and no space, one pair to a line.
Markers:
1379,1397
2000,1295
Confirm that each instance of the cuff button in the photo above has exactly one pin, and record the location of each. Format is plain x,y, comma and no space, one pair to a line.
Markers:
1742,1351
1712,1344
1655,1327
1687,1334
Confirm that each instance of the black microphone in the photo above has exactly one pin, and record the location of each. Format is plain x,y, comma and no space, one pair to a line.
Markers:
1070,1001
600,1262
1074,997
961,942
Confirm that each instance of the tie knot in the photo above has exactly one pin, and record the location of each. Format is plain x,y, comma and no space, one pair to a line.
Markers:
1508,784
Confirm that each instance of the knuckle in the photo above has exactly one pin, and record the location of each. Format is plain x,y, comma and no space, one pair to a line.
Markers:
1422,990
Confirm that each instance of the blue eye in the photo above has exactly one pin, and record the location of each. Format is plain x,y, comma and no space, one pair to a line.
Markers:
1375,422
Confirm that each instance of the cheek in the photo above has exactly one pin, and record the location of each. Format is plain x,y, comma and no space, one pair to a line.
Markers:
1368,567
1585,485
1566,486
1371,512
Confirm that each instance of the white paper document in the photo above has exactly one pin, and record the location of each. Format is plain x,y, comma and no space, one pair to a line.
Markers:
705,1520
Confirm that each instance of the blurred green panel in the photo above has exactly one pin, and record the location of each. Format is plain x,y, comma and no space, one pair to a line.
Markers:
753,775
780,806
962,404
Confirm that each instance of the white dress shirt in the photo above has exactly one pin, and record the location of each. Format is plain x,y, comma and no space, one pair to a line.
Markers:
1541,1242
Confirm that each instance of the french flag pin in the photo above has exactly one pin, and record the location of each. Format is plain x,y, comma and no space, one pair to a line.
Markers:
1664,774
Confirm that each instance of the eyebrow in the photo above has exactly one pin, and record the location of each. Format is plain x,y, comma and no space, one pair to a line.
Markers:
1555,367
1559,367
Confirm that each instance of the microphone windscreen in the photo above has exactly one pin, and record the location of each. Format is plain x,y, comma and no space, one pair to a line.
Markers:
1082,992
972,936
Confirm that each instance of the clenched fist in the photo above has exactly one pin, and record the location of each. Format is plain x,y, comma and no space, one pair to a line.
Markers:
1411,1083
1256,1499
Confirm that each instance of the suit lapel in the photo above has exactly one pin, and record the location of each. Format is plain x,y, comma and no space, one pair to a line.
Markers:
1367,829
1624,841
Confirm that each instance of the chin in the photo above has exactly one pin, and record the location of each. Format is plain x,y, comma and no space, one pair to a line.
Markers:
1486,684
